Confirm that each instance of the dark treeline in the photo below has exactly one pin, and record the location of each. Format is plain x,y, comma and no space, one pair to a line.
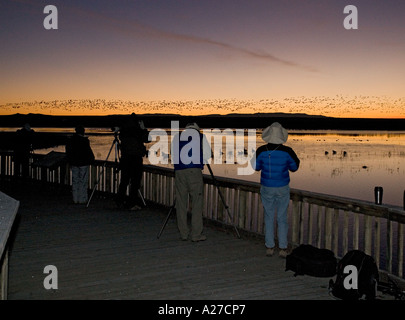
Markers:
289,121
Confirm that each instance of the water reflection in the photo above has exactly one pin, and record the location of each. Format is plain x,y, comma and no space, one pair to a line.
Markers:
351,164
343,163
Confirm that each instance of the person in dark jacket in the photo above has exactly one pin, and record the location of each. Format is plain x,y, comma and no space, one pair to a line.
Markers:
275,161
190,151
79,155
22,150
133,135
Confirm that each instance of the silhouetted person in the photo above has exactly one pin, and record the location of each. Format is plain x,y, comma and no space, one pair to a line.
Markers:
22,150
190,151
132,137
79,156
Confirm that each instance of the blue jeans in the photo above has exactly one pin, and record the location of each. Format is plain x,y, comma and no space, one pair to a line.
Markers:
80,183
275,199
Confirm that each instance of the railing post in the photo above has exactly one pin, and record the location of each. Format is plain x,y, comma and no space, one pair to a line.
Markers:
4,276
335,230
295,221
236,204
242,208
3,165
356,231
389,246
377,240
328,228
310,222
367,234
400,246
319,227
301,223
345,232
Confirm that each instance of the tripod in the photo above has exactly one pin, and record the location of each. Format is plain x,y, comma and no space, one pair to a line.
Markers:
116,146
167,218
222,199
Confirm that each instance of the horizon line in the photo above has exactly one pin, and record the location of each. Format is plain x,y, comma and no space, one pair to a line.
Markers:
277,114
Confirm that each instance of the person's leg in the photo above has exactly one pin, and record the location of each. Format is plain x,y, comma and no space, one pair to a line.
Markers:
125,177
17,164
196,193
182,202
268,201
75,183
136,171
283,200
83,184
17,168
25,166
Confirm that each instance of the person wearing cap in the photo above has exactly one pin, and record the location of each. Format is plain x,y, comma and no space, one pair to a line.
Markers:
190,151
79,156
275,161
22,149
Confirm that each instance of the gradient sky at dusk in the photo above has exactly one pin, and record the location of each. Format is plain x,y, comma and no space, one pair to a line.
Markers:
294,54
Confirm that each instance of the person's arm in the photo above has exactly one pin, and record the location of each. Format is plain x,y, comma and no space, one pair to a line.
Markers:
256,161
294,162
90,152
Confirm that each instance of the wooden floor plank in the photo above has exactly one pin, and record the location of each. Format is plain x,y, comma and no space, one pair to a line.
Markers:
105,253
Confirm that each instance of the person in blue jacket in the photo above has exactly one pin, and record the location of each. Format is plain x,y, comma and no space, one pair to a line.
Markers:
190,152
275,161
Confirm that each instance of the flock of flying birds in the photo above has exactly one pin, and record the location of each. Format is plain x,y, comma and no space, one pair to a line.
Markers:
336,106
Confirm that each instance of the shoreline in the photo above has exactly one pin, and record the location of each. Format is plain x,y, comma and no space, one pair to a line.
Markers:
246,121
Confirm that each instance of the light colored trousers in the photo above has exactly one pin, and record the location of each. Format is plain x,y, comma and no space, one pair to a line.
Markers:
189,182
275,199
80,181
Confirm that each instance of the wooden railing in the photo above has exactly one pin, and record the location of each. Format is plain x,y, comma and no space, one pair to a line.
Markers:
325,221
8,212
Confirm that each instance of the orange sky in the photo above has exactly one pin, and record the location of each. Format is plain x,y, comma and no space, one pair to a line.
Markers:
338,106
202,57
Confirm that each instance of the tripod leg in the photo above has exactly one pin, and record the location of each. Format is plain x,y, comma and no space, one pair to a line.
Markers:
91,196
99,175
95,186
142,198
167,219
222,199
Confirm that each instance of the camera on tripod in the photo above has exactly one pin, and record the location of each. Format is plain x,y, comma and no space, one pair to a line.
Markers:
116,130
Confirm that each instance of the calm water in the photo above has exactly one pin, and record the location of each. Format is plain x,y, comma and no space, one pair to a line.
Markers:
340,163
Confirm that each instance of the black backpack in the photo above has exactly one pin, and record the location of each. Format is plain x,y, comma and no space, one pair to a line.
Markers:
367,277
309,260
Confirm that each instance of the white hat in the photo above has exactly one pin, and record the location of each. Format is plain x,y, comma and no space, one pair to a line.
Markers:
275,134
193,125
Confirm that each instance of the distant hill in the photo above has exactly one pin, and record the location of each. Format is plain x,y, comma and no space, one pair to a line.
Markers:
272,114
234,120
